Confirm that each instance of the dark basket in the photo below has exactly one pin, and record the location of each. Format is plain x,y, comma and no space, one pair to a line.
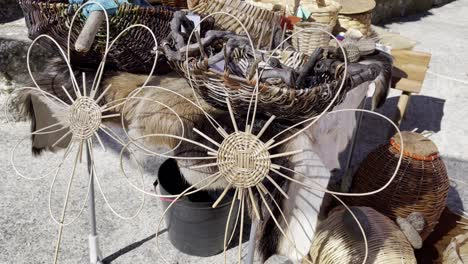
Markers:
421,184
286,103
133,51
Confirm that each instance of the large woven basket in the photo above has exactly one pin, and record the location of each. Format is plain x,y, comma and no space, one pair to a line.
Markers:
421,184
131,53
307,41
339,241
286,103
323,12
259,22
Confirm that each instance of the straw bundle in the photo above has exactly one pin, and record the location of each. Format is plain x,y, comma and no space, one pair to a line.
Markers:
338,239
421,184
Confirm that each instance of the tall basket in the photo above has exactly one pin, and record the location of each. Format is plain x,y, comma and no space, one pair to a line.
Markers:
307,38
322,11
421,184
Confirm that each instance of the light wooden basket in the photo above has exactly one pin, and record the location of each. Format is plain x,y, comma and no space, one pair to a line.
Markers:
307,41
323,11
338,240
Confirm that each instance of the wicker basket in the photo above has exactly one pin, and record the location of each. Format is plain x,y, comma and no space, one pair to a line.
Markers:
131,53
457,251
356,14
257,20
324,14
287,7
309,40
421,184
338,239
361,22
179,4
286,103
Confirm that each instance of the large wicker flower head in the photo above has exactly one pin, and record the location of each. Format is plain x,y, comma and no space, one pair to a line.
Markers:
79,125
243,153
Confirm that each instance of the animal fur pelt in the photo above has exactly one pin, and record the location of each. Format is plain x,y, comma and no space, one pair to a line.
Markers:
145,117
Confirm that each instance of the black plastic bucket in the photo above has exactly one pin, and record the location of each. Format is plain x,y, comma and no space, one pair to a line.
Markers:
194,227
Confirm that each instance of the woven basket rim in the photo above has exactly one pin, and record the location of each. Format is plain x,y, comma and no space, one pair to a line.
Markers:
123,8
289,90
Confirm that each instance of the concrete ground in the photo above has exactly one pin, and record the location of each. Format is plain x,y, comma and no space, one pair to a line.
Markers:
28,234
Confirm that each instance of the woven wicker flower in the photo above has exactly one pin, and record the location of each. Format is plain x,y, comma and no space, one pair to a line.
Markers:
79,122
239,153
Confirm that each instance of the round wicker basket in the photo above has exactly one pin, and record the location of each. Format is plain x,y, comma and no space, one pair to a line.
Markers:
259,22
338,239
309,40
421,184
131,53
324,14
286,103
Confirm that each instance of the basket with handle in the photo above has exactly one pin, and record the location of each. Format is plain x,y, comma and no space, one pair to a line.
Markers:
307,41
324,15
322,11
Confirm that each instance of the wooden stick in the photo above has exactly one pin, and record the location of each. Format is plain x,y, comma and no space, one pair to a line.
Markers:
88,33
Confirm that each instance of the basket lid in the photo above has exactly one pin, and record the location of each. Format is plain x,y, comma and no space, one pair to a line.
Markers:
416,146
356,6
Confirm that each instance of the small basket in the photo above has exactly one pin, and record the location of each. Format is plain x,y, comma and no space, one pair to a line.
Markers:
131,53
421,184
338,239
260,23
309,40
323,12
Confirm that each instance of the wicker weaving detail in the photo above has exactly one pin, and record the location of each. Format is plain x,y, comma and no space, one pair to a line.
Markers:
336,242
243,160
420,185
131,53
258,21
307,41
85,117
